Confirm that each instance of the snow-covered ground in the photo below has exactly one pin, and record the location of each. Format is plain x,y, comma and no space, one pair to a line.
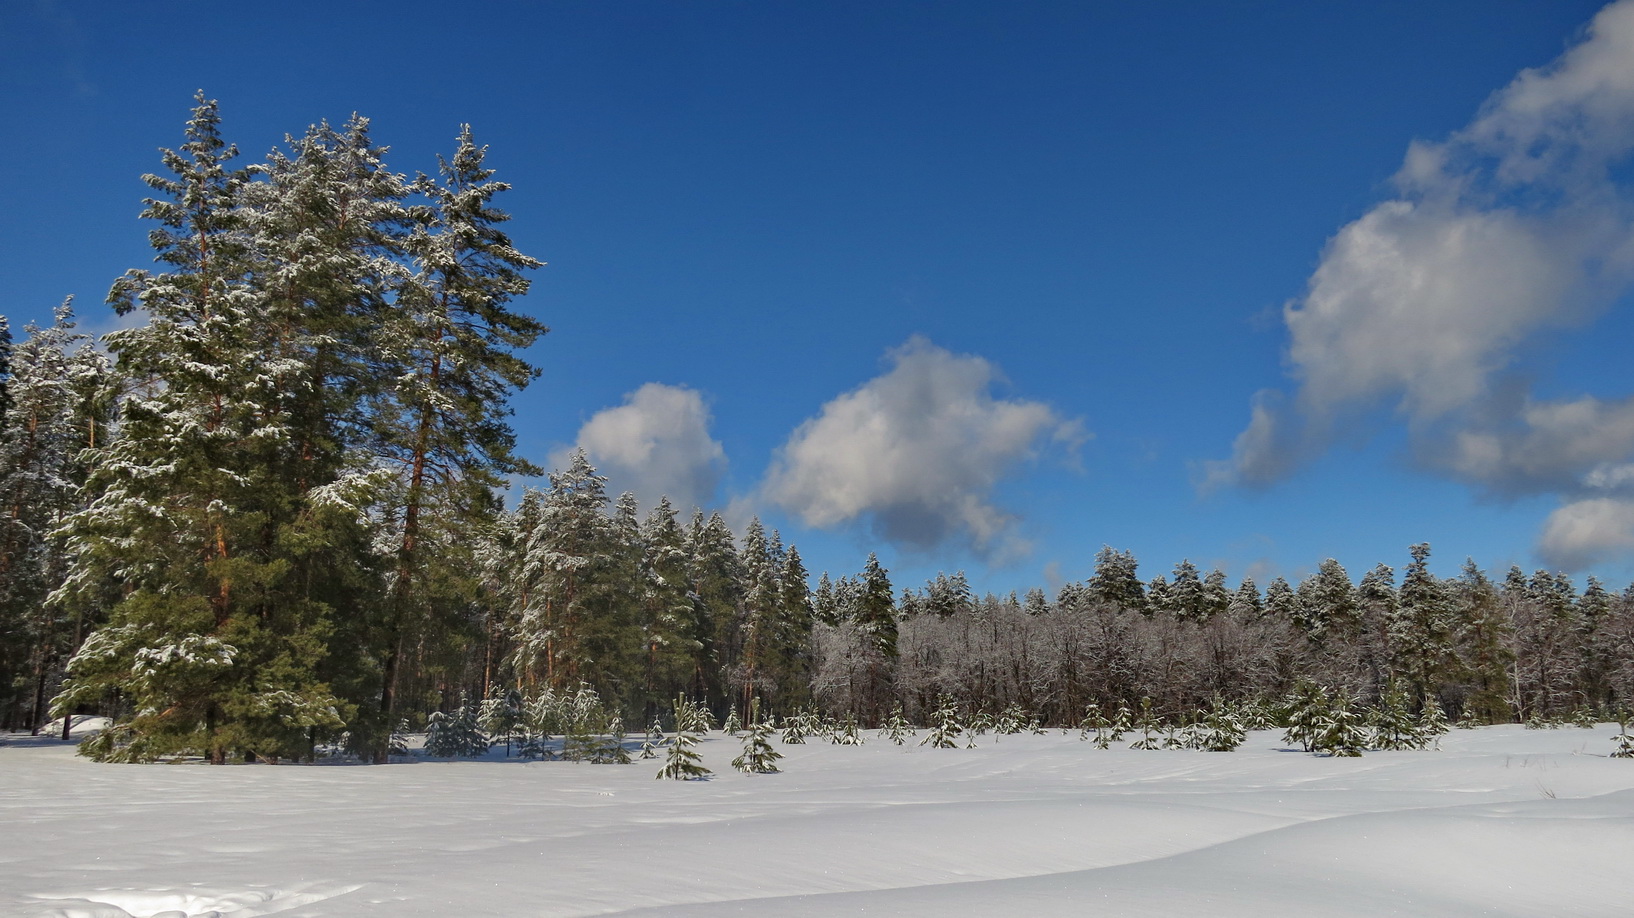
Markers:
1499,821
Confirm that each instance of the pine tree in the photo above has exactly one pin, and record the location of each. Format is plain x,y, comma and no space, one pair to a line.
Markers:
896,728
451,344
1115,581
945,727
1307,709
59,395
1222,728
1341,731
215,643
1422,631
1392,723
456,735
572,616
758,758
682,763
716,576
670,641
1485,638
1185,594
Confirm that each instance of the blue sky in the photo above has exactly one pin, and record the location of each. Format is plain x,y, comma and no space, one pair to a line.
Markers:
980,286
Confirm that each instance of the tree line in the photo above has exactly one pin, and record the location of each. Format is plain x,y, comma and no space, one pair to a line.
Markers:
269,517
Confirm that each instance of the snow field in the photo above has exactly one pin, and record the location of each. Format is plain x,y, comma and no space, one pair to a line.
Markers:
1499,821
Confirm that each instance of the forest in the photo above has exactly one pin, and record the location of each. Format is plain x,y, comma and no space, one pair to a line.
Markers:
272,516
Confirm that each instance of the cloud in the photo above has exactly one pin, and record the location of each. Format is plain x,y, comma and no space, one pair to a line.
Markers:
1498,238
655,444
1586,531
916,453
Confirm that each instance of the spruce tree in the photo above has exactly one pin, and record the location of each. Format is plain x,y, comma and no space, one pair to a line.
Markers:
215,644
670,641
1115,581
1422,631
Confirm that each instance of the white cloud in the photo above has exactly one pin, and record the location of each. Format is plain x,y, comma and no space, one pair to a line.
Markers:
1507,232
655,444
917,453
1586,531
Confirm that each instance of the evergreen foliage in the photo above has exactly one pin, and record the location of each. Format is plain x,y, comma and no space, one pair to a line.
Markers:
682,762
758,758
457,734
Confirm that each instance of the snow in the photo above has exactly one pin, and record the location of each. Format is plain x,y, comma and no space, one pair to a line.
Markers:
1498,821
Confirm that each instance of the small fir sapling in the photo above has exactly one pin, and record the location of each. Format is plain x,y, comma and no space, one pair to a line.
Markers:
845,732
1093,721
1305,710
653,740
1585,718
1256,715
1011,720
501,717
758,758
610,750
1122,723
945,726
1432,723
1392,722
1221,729
1181,736
1148,726
733,723
798,726
580,742
682,763
1341,730
1624,740
896,727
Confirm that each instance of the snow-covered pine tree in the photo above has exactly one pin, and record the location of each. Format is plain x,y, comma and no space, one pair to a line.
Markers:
571,615
945,727
219,639
1116,582
610,750
667,622
1432,723
501,717
682,762
1148,723
1624,740
451,345
1392,723
1306,710
1423,629
59,394
896,728
758,758
1011,720
456,735
716,579
653,740
1341,730
1221,728
845,732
